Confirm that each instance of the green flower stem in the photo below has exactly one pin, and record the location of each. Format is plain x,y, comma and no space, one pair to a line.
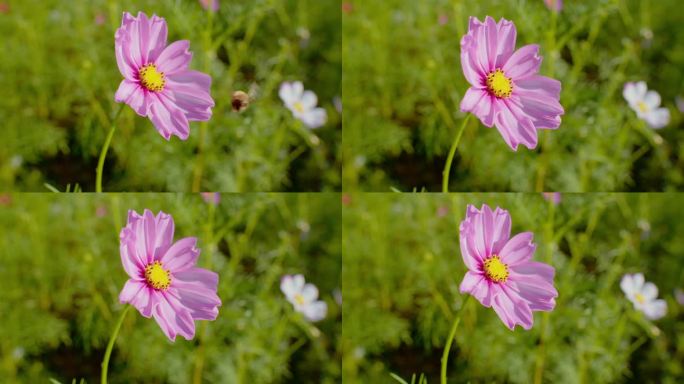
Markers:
450,158
112,339
450,339
199,165
103,153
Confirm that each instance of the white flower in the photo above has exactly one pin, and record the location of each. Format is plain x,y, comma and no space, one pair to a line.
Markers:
679,295
303,297
302,104
646,104
643,296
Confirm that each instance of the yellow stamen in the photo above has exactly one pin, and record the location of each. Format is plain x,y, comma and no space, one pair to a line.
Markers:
299,299
640,298
157,276
299,107
642,107
151,78
495,269
500,85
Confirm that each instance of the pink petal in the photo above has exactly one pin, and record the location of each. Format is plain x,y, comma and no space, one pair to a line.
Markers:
168,118
545,271
157,36
144,300
512,310
472,99
190,92
491,42
516,129
181,255
196,278
502,229
506,42
477,285
536,290
173,318
130,290
174,58
164,228
523,63
132,262
472,258
518,250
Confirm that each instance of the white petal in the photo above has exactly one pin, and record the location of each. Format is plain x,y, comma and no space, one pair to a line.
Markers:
315,311
310,293
627,285
658,118
655,309
649,291
309,100
314,118
630,93
652,99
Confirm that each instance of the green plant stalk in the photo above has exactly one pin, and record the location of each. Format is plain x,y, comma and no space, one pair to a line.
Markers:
199,165
450,339
199,361
110,345
450,158
103,153
541,350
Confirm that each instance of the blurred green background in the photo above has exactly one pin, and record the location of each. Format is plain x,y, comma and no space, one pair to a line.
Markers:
401,290
58,76
61,275
403,83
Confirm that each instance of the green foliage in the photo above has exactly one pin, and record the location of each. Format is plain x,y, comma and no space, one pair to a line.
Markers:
61,276
402,268
58,77
403,83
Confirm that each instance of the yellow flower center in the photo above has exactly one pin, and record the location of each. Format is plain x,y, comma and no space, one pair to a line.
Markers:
640,298
498,84
642,107
157,276
495,269
151,78
299,299
299,107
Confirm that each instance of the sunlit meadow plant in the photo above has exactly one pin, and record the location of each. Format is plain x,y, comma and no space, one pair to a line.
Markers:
158,83
164,282
506,90
501,273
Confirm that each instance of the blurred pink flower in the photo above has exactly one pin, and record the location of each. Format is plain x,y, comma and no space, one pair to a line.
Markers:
211,197
4,7
347,7
101,211
505,89
555,197
100,18
442,211
164,282
212,5
158,83
443,19
501,273
554,5
679,295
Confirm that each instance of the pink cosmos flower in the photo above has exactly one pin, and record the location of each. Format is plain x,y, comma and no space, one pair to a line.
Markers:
554,5
501,273
212,5
506,90
554,197
158,83
164,282
211,197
